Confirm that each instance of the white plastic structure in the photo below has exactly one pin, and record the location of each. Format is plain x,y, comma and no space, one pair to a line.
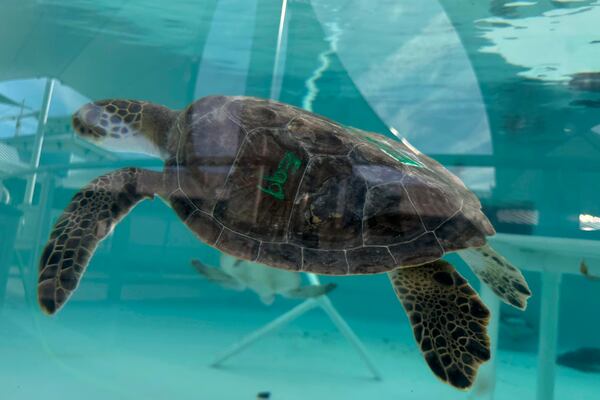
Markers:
323,301
551,257
325,304
38,216
39,140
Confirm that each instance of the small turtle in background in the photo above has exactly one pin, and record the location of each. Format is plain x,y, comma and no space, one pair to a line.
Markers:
585,271
585,359
265,281
274,184
263,396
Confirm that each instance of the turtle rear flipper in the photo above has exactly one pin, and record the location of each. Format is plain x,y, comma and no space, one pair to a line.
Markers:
449,320
90,216
267,299
495,271
306,292
218,276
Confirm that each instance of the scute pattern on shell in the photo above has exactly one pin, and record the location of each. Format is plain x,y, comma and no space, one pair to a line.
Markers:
344,205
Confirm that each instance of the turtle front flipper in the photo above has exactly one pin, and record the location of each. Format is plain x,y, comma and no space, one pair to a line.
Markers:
90,217
449,320
310,291
495,271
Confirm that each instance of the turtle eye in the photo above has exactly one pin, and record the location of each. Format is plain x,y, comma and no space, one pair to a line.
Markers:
84,129
87,121
89,115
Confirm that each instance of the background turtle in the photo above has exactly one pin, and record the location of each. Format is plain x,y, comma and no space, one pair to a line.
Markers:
585,359
266,282
271,183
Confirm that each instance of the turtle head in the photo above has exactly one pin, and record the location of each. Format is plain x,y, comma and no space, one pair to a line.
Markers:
125,125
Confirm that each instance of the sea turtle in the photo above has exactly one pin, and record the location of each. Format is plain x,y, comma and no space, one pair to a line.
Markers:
585,359
265,281
271,183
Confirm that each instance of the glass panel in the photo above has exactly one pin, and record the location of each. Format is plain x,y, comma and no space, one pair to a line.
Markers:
260,207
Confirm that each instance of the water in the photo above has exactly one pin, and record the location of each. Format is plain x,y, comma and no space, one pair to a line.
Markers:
505,94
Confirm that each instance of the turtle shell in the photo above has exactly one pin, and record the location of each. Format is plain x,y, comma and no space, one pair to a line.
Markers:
271,183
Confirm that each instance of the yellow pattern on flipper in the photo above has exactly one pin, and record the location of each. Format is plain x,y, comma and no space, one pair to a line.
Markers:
449,320
90,216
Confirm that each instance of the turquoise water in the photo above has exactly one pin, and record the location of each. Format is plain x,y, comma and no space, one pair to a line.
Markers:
504,94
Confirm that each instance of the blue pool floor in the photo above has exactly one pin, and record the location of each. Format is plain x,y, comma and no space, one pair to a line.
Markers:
135,351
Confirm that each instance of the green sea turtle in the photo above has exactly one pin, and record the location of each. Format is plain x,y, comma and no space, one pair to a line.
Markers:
265,281
271,183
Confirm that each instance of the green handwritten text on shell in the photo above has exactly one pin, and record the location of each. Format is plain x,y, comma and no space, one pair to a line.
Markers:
274,186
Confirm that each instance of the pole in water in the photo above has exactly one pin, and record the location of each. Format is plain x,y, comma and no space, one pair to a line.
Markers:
39,140
279,64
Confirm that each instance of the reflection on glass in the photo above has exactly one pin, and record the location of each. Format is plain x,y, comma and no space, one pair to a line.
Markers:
504,94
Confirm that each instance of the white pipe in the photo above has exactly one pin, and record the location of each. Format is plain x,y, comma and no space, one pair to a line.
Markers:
548,335
39,141
271,326
279,64
345,329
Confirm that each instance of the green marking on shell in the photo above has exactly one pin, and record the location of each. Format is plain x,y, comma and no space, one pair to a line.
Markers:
289,163
396,154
